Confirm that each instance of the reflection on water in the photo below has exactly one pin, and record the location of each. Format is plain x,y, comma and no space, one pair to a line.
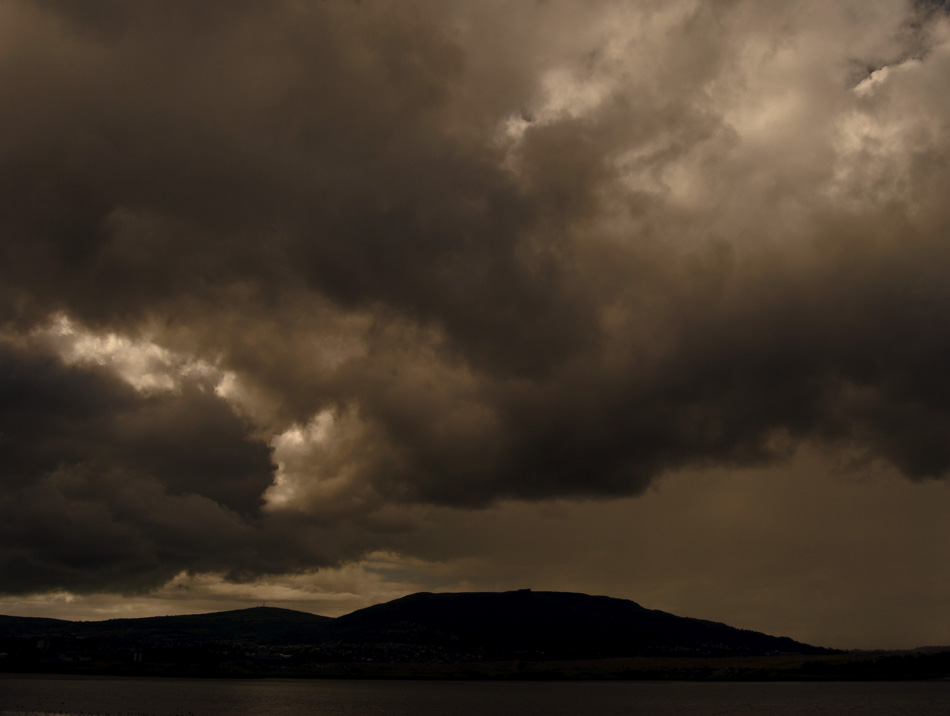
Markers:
44,696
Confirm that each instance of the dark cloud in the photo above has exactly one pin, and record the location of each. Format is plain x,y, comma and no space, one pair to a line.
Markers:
107,488
102,483
65,418
689,256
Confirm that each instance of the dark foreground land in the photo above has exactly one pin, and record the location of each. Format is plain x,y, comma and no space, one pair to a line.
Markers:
509,635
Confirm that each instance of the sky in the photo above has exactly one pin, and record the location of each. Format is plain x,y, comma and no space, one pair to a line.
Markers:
318,303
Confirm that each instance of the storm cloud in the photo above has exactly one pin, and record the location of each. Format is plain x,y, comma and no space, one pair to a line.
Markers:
441,255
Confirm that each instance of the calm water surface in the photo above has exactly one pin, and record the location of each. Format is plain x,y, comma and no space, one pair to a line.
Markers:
22,696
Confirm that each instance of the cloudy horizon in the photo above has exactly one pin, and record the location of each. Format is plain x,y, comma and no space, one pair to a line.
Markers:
320,303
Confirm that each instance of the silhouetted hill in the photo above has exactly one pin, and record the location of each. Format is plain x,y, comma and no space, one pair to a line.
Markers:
30,626
421,634
552,624
265,625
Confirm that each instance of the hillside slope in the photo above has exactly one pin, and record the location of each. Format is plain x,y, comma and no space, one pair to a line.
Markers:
454,627
554,624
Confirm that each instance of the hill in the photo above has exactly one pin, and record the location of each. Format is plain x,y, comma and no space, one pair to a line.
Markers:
256,625
425,635
549,625
30,626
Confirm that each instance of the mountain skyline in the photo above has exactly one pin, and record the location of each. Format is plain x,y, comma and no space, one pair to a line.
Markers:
326,302
461,626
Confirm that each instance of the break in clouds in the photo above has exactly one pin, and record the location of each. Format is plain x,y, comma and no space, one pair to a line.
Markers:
274,277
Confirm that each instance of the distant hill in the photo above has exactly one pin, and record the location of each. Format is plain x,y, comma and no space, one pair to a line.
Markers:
550,624
448,628
30,626
264,625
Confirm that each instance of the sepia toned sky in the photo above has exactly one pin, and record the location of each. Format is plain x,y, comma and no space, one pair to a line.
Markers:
323,302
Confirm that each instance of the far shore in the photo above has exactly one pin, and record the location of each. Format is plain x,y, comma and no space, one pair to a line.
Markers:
848,666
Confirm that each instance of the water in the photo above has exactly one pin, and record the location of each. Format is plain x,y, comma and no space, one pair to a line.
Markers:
42,695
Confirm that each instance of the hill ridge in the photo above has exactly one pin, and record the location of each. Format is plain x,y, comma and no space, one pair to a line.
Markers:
441,625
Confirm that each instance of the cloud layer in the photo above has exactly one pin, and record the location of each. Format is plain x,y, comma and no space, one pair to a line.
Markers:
437,255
